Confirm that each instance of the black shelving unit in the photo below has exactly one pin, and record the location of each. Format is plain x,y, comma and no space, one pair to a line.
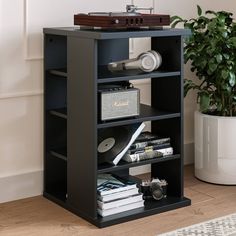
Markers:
75,64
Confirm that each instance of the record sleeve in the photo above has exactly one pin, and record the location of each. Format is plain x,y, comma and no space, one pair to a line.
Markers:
114,142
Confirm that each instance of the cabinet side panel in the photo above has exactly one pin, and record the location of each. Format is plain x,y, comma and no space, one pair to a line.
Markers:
82,121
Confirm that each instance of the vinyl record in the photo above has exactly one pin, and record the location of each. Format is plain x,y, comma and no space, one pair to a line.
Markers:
111,141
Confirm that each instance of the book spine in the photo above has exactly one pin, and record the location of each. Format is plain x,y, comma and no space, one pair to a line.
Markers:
148,155
149,143
148,148
145,156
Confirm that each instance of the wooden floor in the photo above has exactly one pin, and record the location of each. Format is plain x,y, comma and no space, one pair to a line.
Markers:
38,216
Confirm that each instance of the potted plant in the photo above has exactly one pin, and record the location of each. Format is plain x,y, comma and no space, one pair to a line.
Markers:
211,51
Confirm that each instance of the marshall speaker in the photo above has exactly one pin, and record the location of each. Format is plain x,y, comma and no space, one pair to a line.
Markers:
116,102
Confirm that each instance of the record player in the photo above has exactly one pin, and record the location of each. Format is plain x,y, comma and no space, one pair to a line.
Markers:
129,19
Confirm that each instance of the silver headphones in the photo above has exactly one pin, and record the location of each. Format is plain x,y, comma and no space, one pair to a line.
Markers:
147,61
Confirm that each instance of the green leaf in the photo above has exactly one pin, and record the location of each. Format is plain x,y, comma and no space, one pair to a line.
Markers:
224,74
219,107
221,18
219,58
212,67
231,79
211,12
199,10
188,25
209,72
233,41
226,56
175,23
173,18
227,89
204,101
224,34
188,85
203,64
229,62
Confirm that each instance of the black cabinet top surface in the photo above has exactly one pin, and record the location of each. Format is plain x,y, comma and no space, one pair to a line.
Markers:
114,34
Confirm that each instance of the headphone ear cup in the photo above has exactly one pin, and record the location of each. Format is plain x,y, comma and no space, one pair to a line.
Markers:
158,58
147,62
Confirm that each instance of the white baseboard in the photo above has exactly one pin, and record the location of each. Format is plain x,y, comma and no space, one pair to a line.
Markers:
21,186
188,159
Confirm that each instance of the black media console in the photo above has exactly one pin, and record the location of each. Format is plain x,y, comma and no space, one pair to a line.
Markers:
75,64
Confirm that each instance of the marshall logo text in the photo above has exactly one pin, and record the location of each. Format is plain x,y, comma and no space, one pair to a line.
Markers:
121,103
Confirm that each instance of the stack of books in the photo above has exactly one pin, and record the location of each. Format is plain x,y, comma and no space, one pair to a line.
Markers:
116,195
148,146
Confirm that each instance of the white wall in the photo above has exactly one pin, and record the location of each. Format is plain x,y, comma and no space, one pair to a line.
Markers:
21,82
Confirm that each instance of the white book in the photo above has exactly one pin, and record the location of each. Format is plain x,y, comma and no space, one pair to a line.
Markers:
120,209
147,155
166,151
118,195
108,184
133,138
119,202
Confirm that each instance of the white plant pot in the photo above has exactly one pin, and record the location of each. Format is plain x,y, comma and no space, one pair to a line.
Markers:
215,148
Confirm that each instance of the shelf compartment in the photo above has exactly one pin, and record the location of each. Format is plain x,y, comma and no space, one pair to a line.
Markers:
55,92
150,208
56,173
104,168
58,197
147,113
55,136
60,112
62,72
106,76
60,153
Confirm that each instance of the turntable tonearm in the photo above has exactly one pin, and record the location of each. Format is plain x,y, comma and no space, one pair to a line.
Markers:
129,19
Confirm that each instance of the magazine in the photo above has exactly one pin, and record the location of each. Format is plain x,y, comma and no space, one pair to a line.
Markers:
108,184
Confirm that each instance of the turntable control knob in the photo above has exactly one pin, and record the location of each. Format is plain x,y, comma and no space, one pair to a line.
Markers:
116,21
